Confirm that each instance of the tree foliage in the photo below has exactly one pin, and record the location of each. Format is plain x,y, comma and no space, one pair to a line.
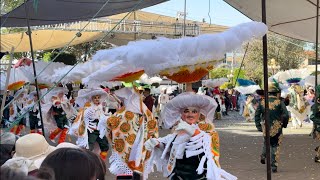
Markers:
90,48
219,73
288,53
9,5
64,57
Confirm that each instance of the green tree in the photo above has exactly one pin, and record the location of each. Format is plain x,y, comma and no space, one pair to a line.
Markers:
9,5
288,53
65,57
219,73
80,50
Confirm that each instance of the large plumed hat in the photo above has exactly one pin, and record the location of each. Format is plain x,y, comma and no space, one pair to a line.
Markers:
273,86
85,95
131,99
172,111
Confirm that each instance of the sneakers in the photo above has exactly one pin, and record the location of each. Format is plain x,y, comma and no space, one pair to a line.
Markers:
274,169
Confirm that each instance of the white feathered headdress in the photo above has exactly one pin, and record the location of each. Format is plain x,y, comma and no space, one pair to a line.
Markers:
172,111
247,89
292,75
85,95
168,56
212,83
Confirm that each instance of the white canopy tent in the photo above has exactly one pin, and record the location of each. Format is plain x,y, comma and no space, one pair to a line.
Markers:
292,18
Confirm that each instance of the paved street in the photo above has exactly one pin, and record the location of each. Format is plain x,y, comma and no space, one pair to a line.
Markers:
241,146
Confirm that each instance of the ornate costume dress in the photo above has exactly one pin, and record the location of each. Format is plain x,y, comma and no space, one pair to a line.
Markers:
315,117
127,130
90,123
17,113
61,111
183,157
88,127
299,106
180,155
33,114
278,113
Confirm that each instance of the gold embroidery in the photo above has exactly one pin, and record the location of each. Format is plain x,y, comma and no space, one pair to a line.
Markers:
317,135
280,139
275,128
272,105
277,156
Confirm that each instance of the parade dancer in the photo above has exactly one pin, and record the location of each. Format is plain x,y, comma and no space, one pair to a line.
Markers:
192,150
61,111
217,97
16,111
315,117
163,100
277,115
298,106
127,131
33,113
249,111
90,123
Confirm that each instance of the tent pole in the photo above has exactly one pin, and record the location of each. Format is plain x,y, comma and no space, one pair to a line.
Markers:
245,53
184,18
34,67
6,85
317,44
265,79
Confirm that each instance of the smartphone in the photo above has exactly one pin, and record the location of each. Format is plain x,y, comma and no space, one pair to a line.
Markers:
134,176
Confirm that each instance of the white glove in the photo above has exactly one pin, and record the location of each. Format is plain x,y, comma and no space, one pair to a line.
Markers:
184,126
151,143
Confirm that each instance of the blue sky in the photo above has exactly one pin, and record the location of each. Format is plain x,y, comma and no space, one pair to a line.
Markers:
220,12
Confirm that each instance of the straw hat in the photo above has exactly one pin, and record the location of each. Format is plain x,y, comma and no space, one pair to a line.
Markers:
172,111
28,149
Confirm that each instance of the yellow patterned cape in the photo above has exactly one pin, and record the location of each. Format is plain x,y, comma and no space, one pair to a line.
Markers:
122,129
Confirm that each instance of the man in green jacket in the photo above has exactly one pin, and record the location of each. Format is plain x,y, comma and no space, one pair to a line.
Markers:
315,117
277,115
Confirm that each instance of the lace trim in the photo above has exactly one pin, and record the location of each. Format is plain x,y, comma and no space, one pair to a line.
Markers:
117,166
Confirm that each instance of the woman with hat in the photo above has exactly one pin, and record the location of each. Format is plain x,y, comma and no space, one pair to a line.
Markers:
61,110
28,149
16,111
192,150
278,114
315,117
90,123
